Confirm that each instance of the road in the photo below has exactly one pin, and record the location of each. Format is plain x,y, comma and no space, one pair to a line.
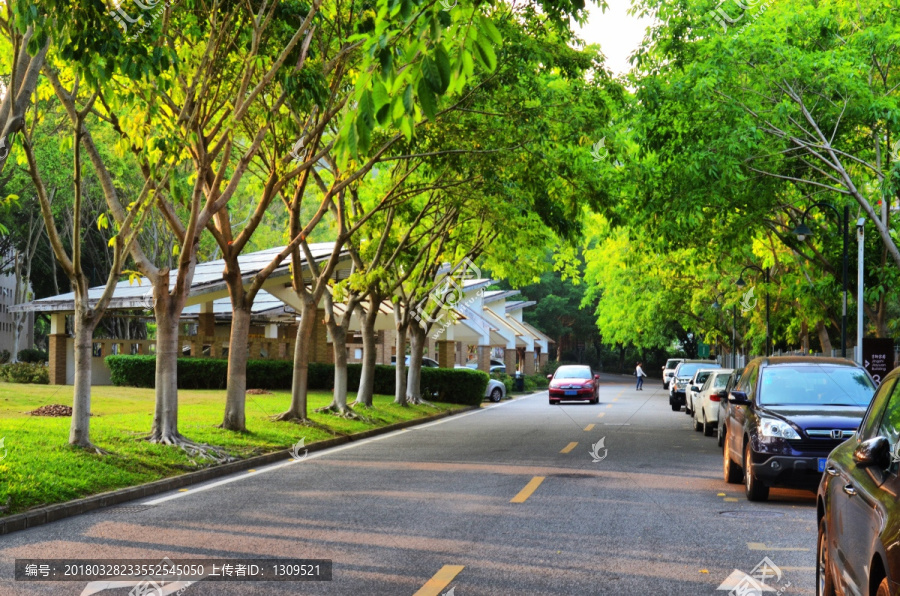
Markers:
504,500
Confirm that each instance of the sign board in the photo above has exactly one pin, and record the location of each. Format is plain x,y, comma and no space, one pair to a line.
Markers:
878,356
703,350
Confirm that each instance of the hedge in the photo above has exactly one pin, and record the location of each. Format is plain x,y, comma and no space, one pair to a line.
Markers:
33,356
25,372
448,385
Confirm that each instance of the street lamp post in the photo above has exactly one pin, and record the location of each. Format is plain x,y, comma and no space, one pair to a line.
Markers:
741,283
860,236
802,232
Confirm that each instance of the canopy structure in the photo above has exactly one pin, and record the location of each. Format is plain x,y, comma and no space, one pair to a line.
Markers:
481,318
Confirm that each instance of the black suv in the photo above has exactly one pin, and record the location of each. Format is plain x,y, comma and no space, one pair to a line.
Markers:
785,415
857,507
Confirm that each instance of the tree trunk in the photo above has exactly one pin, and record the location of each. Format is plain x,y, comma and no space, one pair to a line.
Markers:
236,391
414,375
400,373
804,337
79,430
370,356
823,338
339,342
300,383
165,417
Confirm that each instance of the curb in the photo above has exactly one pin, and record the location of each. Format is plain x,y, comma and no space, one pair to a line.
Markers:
51,513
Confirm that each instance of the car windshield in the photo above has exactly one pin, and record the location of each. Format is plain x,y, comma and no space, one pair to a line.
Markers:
573,372
701,377
672,363
818,385
721,381
687,370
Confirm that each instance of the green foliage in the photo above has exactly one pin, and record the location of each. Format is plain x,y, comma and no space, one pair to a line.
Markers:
32,355
506,379
4,356
25,372
455,386
535,382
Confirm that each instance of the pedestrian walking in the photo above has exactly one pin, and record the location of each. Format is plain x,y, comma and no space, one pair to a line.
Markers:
640,376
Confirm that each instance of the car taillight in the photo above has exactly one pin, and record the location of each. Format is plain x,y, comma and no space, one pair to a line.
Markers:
714,398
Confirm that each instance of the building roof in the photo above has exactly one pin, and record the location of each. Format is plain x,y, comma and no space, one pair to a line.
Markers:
207,280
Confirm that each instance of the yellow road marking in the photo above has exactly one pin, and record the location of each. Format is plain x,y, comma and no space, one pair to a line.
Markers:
569,447
730,500
182,490
601,414
720,495
608,405
251,470
761,546
528,490
439,580
615,399
589,427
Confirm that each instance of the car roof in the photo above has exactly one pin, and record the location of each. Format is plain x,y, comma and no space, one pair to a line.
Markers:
807,360
587,366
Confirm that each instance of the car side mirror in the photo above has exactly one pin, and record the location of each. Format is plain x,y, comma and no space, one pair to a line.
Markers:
549,376
722,394
597,377
695,389
874,452
739,398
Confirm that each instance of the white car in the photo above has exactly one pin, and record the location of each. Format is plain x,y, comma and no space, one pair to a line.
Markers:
706,409
669,370
693,388
495,391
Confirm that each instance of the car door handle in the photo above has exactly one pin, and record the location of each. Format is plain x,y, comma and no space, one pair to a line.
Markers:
850,490
832,471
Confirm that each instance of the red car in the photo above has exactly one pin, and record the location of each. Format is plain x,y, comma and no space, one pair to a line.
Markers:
574,382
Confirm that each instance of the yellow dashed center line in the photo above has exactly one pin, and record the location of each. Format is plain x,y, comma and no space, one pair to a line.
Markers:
761,546
589,427
528,490
615,399
439,580
730,500
608,405
601,414
569,447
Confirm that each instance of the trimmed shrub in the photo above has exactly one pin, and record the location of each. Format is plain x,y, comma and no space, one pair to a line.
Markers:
4,356
454,385
449,385
32,355
25,372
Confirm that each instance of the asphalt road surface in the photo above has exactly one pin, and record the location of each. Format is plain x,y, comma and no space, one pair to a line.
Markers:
505,500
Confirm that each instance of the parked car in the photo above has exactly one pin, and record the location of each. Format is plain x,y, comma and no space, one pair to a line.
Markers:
693,388
574,382
787,414
669,370
495,391
428,362
858,510
724,405
498,368
494,364
684,372
707,399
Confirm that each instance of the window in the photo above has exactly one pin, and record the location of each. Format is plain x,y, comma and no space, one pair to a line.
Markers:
876,409
817,385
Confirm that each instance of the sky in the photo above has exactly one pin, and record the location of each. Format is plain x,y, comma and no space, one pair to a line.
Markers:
618,33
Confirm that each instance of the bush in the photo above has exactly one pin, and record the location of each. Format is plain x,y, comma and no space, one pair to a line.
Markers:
448,385
32,355
454,385
505,379
4,356
534,382
25,372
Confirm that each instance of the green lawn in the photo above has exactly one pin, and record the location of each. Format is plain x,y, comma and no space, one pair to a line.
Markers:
41,469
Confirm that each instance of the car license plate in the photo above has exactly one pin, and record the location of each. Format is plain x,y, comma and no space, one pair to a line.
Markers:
571,393
822,461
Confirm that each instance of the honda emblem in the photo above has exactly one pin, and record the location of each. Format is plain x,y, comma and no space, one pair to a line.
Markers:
837,433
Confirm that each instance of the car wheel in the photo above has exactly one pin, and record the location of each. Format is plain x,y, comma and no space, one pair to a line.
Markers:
698,426
824,581
732,473
707,426
675,407
883,588
554,402
496,394
756,491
